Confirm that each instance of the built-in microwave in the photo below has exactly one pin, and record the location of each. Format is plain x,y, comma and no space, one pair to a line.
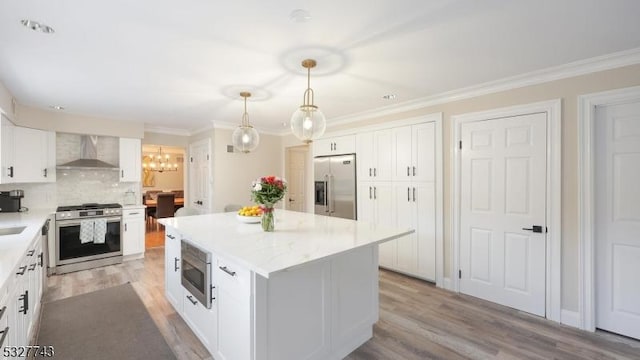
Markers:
196,273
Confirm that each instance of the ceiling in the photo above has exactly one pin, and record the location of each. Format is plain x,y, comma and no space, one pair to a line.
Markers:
182,64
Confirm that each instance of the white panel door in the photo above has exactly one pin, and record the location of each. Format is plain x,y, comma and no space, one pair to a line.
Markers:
405,217
425,225
130,160
365,156
617,218
296,179
383,199
383,155
423,139
503,192
402,161
29,145
200,175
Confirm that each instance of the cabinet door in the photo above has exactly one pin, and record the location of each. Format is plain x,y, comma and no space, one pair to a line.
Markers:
130,159
344,145
29,149
404,213
133,234
423,153
234,327
366,205
402,163
383,155
383,198
202,321
49,155
172,261
365,156
6,151
425,225
322,147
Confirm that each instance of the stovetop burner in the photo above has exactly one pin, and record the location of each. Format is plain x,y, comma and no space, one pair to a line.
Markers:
89,206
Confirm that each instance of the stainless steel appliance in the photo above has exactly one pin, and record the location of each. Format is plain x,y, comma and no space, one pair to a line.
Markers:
10,201
335,186
72,253
196,273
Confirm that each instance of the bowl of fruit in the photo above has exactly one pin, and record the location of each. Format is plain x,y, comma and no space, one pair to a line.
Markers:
249,214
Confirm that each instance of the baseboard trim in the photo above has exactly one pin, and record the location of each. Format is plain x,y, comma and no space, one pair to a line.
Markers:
446,284
570,318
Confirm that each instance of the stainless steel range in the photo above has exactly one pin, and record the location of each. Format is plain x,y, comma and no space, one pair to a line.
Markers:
88,236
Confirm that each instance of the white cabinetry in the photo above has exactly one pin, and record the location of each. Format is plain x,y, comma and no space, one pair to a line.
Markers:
130,159
335,145
375,155
413,157
201,320
234,310
172,265
375,205
133,232
28,155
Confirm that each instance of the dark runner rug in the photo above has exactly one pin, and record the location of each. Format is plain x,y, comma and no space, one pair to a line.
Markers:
107,324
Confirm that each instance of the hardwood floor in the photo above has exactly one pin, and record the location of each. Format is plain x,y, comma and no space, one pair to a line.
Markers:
417,320
154,234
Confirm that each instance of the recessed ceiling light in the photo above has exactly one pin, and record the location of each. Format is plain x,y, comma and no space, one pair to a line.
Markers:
36,26
57,107
299,15
390,96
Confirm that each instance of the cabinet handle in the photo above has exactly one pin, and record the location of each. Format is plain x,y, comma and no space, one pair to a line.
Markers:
23,269
414,194
175,264
125,226
4,335
41,259
4,308
414,171
212,288
225,269
135,213
369,192
408,171
10,171
408,197
25,302
31,252
375,173
369,172
171,236
375,193
32,267
45,172
194,302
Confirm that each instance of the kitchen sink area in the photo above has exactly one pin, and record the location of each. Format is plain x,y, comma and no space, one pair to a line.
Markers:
15,230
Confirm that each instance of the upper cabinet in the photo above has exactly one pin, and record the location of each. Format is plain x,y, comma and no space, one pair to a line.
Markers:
335,145
28,155
130,159
375,155
413,157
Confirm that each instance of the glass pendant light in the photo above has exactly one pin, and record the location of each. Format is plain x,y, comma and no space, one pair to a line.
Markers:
245,138
308,122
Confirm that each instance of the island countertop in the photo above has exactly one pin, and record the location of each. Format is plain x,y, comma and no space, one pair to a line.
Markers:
299,238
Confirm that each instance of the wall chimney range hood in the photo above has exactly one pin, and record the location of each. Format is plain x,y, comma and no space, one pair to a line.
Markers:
88,157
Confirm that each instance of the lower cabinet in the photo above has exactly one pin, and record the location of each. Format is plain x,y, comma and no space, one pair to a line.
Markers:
233,285
201,320
133,232
20,308
173,262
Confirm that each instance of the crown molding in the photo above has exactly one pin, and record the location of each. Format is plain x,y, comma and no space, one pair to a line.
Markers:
572,69
166,130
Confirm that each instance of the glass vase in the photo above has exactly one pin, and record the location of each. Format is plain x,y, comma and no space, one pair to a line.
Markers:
267,220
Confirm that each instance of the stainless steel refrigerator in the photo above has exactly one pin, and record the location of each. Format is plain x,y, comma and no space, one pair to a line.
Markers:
335,186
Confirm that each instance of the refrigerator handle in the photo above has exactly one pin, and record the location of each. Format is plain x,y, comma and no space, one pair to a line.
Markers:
326,193
332,205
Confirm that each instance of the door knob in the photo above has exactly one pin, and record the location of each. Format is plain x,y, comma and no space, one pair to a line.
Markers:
290,200
535,229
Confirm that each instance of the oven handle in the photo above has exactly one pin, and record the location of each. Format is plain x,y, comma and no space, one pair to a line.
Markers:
76,222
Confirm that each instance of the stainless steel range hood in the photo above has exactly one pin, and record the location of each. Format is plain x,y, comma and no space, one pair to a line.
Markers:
88,157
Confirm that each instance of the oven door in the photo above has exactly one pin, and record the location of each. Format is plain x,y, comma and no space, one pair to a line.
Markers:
69,248
196,278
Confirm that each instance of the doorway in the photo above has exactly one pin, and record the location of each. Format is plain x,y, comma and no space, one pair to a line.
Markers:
296,174
506,207
610,211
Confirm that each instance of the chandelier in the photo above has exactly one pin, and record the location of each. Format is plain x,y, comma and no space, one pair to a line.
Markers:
308,122
159,162
245,138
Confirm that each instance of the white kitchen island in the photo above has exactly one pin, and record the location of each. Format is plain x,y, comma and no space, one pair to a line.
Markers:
309,290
